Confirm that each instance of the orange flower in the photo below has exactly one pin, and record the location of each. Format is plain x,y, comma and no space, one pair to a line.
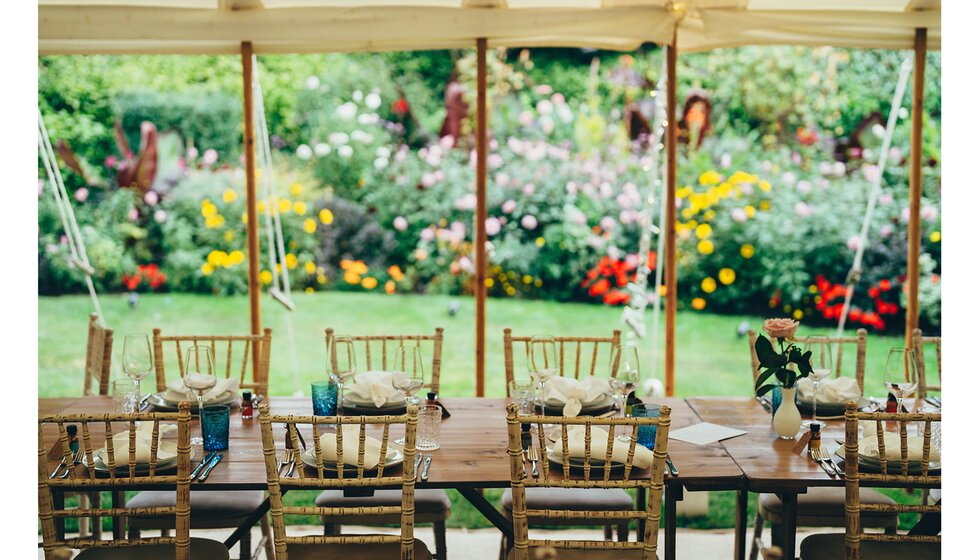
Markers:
599,288
396,273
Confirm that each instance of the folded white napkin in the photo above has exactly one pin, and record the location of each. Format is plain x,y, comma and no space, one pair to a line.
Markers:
176,391
372,447
868,448
374,387
642,457
574,392
166,450
837,390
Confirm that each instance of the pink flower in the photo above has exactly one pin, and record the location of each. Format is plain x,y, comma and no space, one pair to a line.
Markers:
804,187
428,179
81,194
780,328
886,198
494,161
427,234
886,230
151,198
529,222
210,157
930,213
134,214
501,179
571,188
558,99
528,189
447,142
509,206
739,215
191,154
870,173
803,209
853,242
543,89
607,223
493,226
40,187
160,216
400,223
526,118
111,161
545,107
466,202
578,217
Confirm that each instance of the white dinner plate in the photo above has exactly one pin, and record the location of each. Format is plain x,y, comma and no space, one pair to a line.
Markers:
122,460
393,458
160,402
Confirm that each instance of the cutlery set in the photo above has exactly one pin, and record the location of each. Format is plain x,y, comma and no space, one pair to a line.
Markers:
76,459
288,462
822,457
206,466
425,459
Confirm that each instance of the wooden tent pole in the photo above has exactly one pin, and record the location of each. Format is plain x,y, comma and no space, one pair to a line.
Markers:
670,242
480,220
915,187
252,227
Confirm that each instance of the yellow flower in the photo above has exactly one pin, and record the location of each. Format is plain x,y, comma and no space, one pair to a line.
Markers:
352,278
215,258
369,283
812,289
295,189
528,279
539,242
663,291
284,206
797,314
214,221
291,261
326,217
747,251
308,290
265,277
706,247
510,290
538,283
684,192
390,287
299,207
765,186
786,308
229,196
245,218
935,237
765,205
703,231
709,178
207,269
236,257
750,211
709,285
687,213
229,236
208,209
742,177
709,215
260,206
309,225
488,282
321,279
726,275
310,267
698,303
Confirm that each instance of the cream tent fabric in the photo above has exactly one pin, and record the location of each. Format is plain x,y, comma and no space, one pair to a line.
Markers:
298,26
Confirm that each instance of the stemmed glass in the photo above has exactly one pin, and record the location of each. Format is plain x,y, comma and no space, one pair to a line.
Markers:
542,363
821,362
408,375
342,366
901,374
199,377
625,376
137,360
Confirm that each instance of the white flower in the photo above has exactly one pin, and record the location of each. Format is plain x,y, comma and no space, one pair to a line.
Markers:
577,216
854,242
160,216
494,161
382,152
870,173
930,213
607,223
427,234
338,138
839,168
528,189
380,163
210,156
726,160
321,149
526,118
81,194
557,99
543,89
151,198
347,111
358,95
509,206
400,223
492,226
372,101
545,107
571,188
303,151
878,130
803,209
804,187
428,179
739,215
345,151
547,124
789,178
466,202
361,136
312,82
447,142
529,222
886,230
564,113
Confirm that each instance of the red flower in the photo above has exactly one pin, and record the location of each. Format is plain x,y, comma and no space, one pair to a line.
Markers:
600,287
853,315
615,297
652,261
828,313
885,284
874,292
400,106
881,307
131,282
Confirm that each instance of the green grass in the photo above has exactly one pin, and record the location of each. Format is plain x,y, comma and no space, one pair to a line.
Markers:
711,358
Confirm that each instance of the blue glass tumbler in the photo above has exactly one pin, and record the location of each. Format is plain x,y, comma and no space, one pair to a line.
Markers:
214,427
646,435
324,398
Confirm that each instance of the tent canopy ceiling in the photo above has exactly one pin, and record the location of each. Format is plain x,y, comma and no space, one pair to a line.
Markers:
299,26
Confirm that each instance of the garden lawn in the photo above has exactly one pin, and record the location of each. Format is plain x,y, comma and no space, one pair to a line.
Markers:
711,358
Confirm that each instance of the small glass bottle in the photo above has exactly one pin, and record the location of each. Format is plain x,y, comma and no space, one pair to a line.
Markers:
247,408
630,401
891,405
431,399
72,431
814,443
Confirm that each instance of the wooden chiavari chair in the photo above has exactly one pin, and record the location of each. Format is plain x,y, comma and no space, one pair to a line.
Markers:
233,356
593,478
122,472
349,547
855,543
919,343
432,505
572,361
98,358
824,506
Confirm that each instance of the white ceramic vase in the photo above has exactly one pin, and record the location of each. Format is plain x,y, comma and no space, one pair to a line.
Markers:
787,418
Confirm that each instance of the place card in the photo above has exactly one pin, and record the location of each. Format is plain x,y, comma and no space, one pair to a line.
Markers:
704,433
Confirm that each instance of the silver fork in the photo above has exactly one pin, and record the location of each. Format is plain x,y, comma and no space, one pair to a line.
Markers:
292,462
287,456
825,457
815,457
76,459
533,456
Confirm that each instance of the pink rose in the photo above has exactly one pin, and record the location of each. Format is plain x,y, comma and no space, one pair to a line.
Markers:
492,226
529,222
400,223
780,328
509,206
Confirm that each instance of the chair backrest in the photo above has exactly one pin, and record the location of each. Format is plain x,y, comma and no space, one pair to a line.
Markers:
320,478
98,357
853,477
572,361
919,343
376,350
233,354
604,475
860,343
95,431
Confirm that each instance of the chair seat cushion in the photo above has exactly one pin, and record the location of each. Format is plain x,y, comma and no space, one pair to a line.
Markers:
428,500
209,510
354,551
831,547
824,507
201,549
572,499
580,554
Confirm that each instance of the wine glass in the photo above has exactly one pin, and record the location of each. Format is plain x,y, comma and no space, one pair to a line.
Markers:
199,377
408,375
901,374
137,360
624,376
821,362
542,363
343,365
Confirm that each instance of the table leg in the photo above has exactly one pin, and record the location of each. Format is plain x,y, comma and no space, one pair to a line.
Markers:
480,502
641,505
789,524
250,522
741,522
675,493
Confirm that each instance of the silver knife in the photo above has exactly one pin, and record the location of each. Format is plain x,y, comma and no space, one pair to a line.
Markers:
425,467
207,470
205,461
144,403
418,462
670,465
